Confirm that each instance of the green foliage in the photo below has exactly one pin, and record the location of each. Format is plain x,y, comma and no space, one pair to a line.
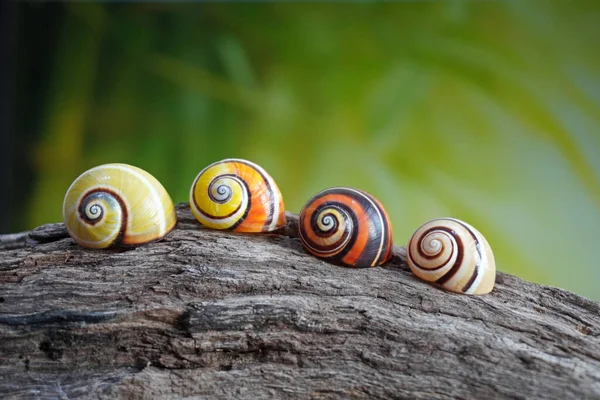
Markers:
485,111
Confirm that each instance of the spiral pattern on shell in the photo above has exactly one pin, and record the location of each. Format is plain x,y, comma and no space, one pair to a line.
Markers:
238,195
117,204
346,226
454,255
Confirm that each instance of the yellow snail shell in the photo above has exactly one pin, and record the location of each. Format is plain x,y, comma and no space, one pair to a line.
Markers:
237,195
117,204
454,255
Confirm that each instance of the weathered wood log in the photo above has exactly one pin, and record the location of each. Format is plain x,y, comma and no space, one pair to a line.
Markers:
221,315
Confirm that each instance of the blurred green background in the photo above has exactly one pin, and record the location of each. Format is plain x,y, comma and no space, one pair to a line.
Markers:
485,111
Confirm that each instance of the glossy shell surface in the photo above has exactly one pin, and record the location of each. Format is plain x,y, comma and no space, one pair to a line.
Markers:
117,204
346,226
453,255
238,195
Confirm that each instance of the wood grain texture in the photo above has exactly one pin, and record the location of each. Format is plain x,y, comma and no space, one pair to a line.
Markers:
209,314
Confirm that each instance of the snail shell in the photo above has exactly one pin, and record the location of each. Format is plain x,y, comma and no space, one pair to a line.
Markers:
117,204
346,227
454,255
238,195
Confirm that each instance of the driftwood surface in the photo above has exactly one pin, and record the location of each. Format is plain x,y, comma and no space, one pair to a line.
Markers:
210,314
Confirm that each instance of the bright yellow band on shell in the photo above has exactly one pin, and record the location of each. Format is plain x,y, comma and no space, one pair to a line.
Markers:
210,212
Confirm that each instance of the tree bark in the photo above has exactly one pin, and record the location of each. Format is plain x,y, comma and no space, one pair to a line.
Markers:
211,314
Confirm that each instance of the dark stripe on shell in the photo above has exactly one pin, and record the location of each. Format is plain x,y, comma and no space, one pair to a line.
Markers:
271,190
478,265
246,211
428,257
337,258
315,231
124,212
345,209
378,239
325,208
213,198
459,258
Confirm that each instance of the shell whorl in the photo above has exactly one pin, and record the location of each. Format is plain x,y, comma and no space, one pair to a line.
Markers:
347,227
102,208
238,195
454,255
117,204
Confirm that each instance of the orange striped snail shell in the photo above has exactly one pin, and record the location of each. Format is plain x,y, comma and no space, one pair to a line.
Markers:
237,195
346,226
453,255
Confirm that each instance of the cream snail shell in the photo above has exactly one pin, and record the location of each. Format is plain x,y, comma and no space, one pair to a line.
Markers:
117,204
454,255
237,195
